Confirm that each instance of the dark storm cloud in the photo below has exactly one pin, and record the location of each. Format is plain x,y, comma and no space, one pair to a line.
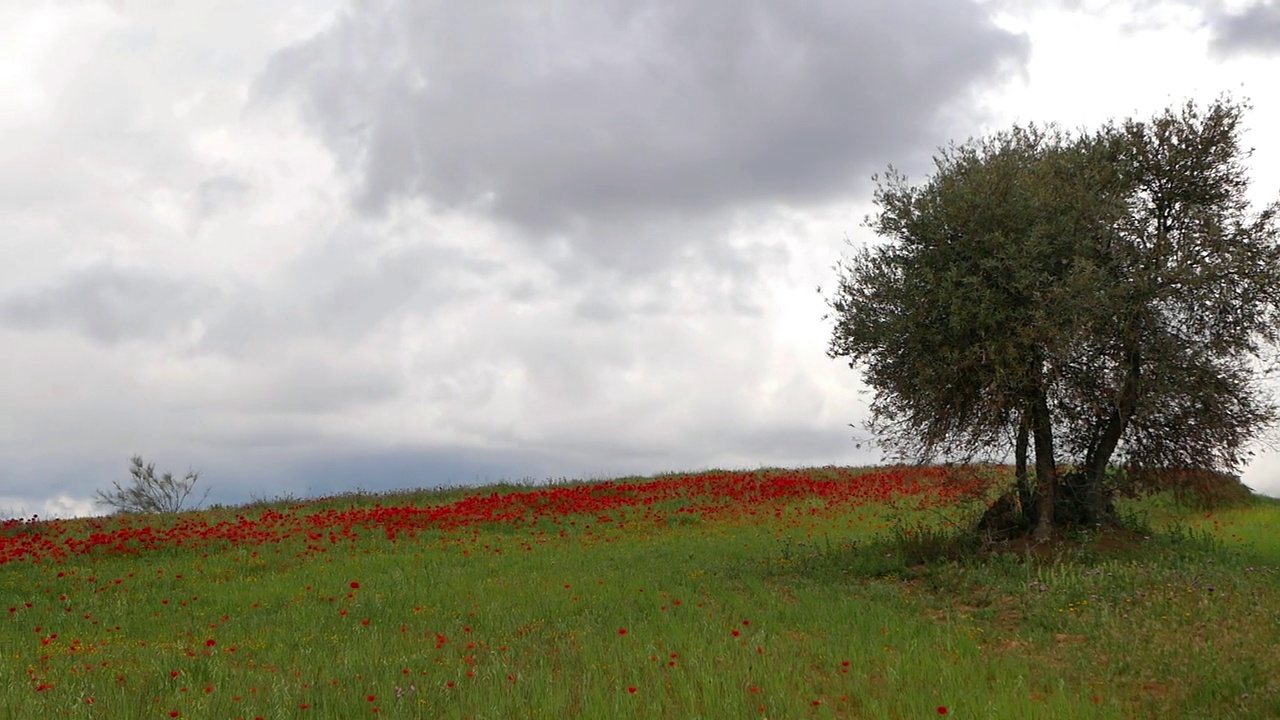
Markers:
1255,29
108,304
577,120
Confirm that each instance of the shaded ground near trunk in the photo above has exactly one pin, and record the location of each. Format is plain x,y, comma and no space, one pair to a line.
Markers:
1082,503
1077,505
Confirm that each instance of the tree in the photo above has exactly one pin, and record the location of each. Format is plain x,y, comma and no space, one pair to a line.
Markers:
1099,298
148,493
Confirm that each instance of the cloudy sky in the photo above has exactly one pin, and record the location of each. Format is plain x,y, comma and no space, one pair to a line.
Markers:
306,246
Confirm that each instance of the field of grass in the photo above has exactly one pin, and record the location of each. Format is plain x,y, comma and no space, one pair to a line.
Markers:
767,594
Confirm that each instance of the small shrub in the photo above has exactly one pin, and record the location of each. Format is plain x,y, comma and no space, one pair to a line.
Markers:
280,501
923,544
905,550
148,493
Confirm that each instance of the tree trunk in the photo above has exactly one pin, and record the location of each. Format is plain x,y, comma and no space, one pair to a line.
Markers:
1092,500
1026,498
1046,466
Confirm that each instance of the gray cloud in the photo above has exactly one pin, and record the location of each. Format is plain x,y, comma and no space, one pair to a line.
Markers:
316,473
1254,29
310,384
590,119
108,304
218,194
344,287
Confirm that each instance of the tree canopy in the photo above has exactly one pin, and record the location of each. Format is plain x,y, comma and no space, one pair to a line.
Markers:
1104,297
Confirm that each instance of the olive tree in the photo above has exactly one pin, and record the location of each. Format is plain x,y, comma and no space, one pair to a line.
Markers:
1095,298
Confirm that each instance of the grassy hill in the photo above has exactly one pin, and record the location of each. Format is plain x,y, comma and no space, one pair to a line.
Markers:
811,593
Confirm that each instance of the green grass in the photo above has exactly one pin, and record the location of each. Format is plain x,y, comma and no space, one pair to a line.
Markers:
815,606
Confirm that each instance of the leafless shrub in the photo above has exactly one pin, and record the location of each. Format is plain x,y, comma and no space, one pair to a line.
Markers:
146,493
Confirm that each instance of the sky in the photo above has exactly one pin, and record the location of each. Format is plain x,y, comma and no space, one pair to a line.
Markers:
312,246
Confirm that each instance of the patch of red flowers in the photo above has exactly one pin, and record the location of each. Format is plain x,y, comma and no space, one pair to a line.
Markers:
710,496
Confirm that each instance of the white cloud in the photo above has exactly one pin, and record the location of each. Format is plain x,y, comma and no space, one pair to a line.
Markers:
60,506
